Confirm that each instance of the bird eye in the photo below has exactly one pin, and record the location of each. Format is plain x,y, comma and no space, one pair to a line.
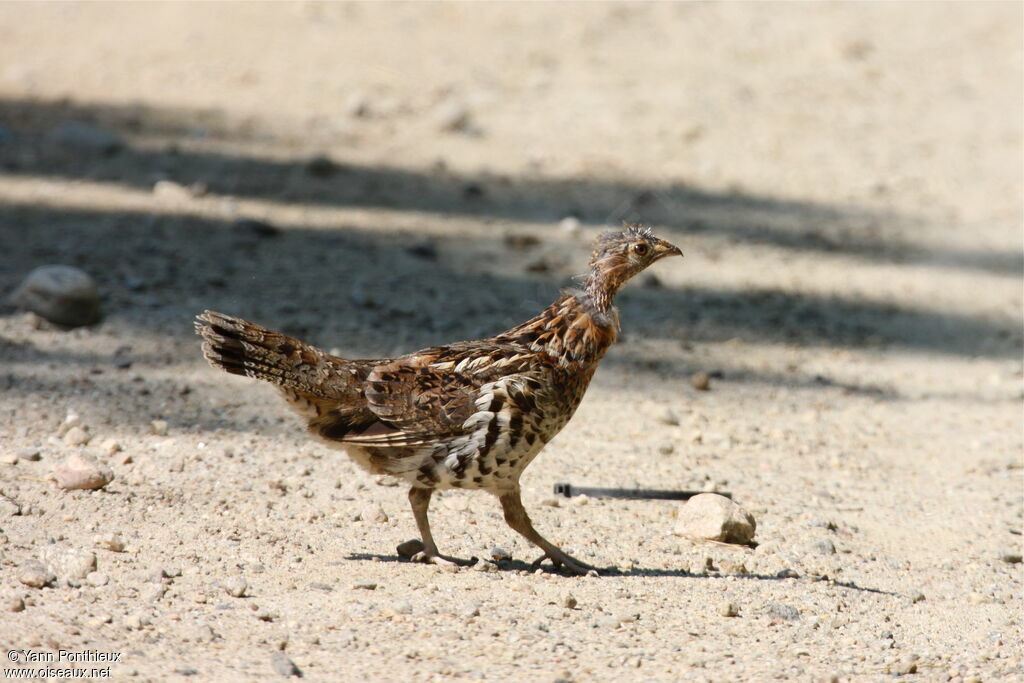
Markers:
640,249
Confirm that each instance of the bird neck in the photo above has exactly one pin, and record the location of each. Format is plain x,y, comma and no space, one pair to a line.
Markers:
572,330
601,290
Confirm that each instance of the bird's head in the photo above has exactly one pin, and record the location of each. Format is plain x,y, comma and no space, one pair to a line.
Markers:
621,254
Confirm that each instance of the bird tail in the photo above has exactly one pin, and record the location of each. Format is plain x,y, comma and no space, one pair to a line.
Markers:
244,348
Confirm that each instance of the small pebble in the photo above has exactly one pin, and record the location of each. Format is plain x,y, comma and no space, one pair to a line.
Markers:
76,436
666,448
403,607
35,575
498,554
905,667
29,454
409,548
915,596
709,516
776,610
823,546
158,427
570,225
281,664
374,513
365,585
97,579
256,228
109,541
670,418
12,603
235,586
452,117
154,594
728,609
701,381
1012,557
321,166
174,192
80,472
569,602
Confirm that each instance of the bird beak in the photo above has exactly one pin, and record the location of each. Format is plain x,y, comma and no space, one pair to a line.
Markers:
663,249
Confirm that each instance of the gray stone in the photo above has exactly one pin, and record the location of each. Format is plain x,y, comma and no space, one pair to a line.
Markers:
281,664
409,548
86,137
712,517
776,610
82,472
498,554
61,294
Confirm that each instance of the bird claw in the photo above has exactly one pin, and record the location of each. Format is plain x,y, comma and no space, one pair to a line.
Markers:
433,558
570,563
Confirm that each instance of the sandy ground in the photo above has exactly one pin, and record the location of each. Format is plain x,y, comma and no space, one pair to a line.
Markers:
844,179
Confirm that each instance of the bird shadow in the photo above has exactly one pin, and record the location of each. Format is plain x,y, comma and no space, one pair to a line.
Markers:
515,566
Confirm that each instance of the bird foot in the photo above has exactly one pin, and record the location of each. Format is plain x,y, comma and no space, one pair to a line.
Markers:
434,558
561,559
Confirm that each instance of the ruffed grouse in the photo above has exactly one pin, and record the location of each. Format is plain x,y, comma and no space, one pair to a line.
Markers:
470,415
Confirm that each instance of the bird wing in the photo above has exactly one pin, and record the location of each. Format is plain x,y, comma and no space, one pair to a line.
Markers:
421,399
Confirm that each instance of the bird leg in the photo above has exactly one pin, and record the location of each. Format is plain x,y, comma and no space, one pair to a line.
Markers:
420,500
516,517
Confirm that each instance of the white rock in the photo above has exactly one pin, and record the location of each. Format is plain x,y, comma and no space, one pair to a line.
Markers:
570,225
82,472
712,517
97,579
61,294
235,586
172,191
70,565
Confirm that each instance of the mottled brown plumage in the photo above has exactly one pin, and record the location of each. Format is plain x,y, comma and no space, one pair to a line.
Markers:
471,414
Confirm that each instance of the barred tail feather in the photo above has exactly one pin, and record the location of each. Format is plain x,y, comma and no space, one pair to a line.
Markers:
243,348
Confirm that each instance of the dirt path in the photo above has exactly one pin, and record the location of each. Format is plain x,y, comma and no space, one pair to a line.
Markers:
844,179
